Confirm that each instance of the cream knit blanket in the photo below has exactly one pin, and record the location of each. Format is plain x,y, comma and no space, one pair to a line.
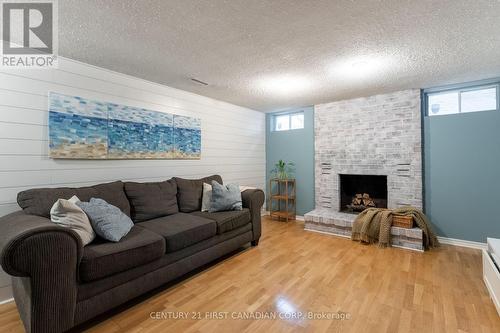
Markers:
374,225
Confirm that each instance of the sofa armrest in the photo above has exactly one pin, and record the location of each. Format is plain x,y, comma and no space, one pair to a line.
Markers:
19,230
43,258
254,199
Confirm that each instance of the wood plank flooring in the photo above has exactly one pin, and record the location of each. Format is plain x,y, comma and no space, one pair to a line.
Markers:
292,271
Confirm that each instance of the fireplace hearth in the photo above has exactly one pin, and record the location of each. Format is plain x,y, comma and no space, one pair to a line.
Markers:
358,192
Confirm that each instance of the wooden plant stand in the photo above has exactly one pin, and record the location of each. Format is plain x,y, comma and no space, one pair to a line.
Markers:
282,203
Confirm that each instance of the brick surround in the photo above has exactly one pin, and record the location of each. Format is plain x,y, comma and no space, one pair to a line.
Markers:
377,135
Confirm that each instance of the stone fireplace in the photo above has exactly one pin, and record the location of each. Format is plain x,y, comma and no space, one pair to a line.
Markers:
364,145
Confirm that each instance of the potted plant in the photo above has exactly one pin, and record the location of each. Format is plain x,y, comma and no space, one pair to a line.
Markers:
283,170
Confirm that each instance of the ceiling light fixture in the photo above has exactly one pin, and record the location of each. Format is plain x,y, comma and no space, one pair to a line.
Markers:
284,84
359,67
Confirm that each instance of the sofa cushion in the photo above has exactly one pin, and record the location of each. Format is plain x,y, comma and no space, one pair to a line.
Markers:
102,258
39,201
189,192
197,252
152,200
181,230
227,221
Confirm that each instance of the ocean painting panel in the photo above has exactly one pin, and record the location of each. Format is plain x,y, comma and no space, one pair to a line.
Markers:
135,133
187,137
80,128
77,128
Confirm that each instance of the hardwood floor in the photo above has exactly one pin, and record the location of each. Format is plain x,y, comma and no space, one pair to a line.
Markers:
381,290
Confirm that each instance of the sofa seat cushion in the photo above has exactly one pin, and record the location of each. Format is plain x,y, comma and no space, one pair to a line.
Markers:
181,230
241,235
228,220
101,258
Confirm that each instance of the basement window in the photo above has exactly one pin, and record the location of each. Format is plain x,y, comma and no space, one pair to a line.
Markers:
288,121
465,99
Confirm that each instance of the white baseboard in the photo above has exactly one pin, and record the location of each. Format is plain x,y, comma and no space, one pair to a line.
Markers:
462,243
298,217
7,301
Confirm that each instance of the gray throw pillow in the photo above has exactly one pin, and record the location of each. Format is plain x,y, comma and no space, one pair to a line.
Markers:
225,197
108,221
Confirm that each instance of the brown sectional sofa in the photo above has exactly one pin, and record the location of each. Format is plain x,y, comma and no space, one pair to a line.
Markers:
59,284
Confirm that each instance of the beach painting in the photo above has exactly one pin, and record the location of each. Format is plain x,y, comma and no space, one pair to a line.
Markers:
187,137
135,133
84,129
77,128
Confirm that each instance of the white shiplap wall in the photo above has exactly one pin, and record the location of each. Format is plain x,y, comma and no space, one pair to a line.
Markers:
233,137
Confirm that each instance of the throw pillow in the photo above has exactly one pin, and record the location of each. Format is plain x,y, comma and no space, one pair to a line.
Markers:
225,197
207,197
67,214
108,221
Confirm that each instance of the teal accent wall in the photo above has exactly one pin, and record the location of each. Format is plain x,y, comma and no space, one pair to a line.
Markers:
462,174
296,146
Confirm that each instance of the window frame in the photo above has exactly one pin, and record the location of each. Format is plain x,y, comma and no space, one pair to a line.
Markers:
462,88
289,114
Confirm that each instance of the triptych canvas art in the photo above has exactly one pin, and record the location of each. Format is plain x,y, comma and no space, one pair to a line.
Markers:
80,128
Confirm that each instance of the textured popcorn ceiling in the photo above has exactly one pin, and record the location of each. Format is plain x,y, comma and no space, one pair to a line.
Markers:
233,45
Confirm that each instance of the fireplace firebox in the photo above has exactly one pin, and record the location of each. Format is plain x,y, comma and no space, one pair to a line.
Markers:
358,192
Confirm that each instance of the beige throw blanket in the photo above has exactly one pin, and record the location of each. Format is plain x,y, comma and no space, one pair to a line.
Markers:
374,225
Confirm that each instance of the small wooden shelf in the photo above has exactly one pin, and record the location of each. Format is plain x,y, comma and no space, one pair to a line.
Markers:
282,199
283,214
